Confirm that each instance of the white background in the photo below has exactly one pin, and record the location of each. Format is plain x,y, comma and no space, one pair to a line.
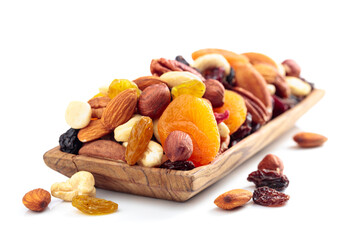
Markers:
53,52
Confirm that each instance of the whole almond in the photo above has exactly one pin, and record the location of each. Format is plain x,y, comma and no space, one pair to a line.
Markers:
93,131
37,200
309,140
120,109
104,149
215,93
153,100
146,81
233,199
271,162
178,146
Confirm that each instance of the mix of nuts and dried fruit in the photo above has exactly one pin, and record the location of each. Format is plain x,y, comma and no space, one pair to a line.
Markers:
182,117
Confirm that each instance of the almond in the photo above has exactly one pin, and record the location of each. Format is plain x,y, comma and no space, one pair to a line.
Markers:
309,140
233,198
104,149
120,109
93,131
146,81
153,100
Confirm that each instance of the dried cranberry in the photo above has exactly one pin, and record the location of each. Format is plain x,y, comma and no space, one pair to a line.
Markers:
281,105
178,165
269,178
244,131
215,73
266,196
220,117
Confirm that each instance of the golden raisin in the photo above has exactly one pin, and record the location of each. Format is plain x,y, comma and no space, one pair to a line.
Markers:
194,87
140,136
119,85
94,206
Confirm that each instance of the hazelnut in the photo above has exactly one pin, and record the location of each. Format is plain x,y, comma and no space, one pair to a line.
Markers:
178,146
37,200
271,162
291,68
153,100
215,93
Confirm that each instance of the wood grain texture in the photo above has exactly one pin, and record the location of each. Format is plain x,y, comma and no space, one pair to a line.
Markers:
171,184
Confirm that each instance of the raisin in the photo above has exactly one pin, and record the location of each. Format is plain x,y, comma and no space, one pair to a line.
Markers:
178,165
181,59
140,136
266,196
69,141
244,130
94,206
215,73
193,87
231,77
269,178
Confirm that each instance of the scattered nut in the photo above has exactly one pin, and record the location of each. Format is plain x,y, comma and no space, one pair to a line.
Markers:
298,87
153,100
233,199
178,146
291,68
212,60
175,78
37,200
81,183
103,149
215,93
271,162
309,140
122,132
78,114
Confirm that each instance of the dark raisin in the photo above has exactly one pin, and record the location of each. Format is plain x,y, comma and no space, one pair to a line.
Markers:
269,178
281,105
266,196
178,165
181,59
214,73
69,142
231,77
244,131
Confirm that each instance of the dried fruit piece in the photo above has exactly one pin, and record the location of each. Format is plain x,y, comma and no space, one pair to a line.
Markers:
233,199
235,104
37,200
309,140
69,142
94,206
140,136
119,85
193,87
269,197
269,178
78,114
195,117
178,165
259,58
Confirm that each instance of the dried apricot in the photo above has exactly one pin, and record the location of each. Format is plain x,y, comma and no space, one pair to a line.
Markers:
119,85
235,104
195,117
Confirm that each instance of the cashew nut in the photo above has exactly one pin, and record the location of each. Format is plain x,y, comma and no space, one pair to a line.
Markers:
211,61
81,183
224,130
298,87
175,78
78,114
122,132
152,156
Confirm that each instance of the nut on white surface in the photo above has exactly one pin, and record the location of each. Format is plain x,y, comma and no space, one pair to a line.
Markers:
78,114
211,61
122,132
81,183
298,87
175,78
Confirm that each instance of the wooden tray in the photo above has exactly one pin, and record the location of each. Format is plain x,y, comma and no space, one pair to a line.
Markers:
171,184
